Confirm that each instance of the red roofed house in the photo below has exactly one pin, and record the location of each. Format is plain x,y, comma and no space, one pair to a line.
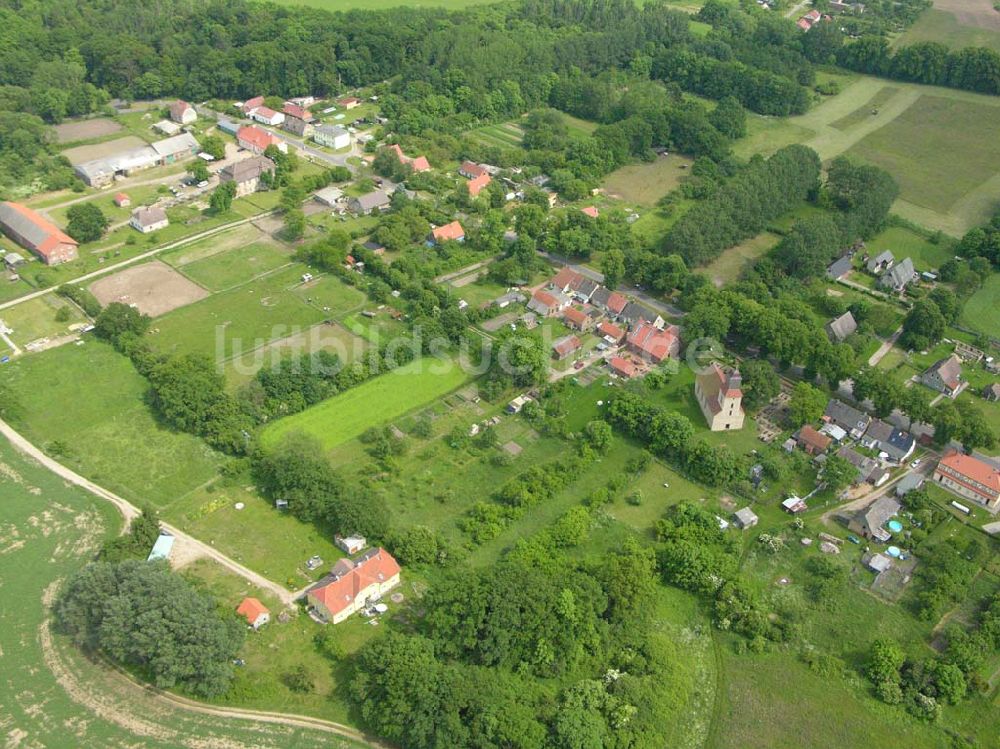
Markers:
654,344
546,304
616,303
804,24
418,164
577,319
623,367
349,102
476,184
565,346
471,170
812,16
353,584
254,612
970,477
720,396
122,200
251,104
267,116
813,441
253,139
452,231
611,331
182,112
590,211
564,279
294,110
36,233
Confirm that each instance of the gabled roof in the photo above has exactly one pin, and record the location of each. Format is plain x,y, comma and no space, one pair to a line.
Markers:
841,327
590,211
41,234
251,104
575,316
565,278
810,436
611,330
294,110
247,169
471,169
658,344
566,345
265,112
175,145
375,199
634,312
585,287
256,137
600,296
337,592
948,369
451,230
898,275
420,164
149,216
622,366
879,512
178,108
839,268
879,431
846,416
883,257
974,469
476,184
617,302
544,298
250,608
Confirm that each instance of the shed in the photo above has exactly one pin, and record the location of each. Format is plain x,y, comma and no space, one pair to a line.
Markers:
256,613
745,518
161,549
350,544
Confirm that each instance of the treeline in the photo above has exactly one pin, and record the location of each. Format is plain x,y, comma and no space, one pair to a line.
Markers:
971,68
742,207
982,242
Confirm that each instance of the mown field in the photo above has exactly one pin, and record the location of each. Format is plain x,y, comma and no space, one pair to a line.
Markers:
51,696
335,5
956,24
645,183
372,403
983,308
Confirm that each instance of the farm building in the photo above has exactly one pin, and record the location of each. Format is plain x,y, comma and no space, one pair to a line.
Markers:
653,344
251,104
33,232
720,397
880,263
182,113
565,347
149,219
478,184
839,268
564,280
899,276
611,332
122,200
170,150
103,171
577,319
349,102
909,483
329,196
296,111
969,477
546,304
623,367
167,127
256,613
353,584
332,136
812,441
350,544
945,376
366,204
247,174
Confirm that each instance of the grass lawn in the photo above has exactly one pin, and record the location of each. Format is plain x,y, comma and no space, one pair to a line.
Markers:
864,112
247,317
728,267
765,135
645,183
227,269
939,150
904,242
377,401
86,406
577,127
980,311
938,25
36,319
503,135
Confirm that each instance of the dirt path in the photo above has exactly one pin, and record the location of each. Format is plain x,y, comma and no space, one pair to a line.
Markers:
152,719
192,547
885,348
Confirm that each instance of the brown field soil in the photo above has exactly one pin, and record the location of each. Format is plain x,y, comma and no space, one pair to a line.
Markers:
81,154
68,132
154,288
977,13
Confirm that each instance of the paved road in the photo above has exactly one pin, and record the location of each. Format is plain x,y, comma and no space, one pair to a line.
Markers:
138,258
129,511
668,310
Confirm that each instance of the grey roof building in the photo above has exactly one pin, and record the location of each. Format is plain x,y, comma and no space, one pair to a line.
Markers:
882,261
853,421
373,201
839,268
841,327
909,483
870,521
898,276
247,169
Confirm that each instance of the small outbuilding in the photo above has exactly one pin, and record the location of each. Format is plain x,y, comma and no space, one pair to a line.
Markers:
350,544
256,613
745,518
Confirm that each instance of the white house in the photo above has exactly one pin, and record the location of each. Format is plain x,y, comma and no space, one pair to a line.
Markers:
149,220
332,136
267,116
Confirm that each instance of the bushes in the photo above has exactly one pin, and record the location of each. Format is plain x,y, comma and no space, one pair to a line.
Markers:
82,298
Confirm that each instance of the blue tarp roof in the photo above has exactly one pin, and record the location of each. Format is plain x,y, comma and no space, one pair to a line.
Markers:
162,547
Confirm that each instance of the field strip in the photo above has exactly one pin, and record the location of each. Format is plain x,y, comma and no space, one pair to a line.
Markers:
830,142
129,511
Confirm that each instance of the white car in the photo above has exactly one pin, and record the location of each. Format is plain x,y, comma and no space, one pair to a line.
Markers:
915,464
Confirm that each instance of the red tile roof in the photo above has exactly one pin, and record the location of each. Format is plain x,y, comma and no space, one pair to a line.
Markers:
546,298
810,436
656,344
476,184
420,164
252,103
974,469
575,316
611,330
266,112
178,108
471,169
251,608
623,366
121,198
590,211
348,100
617,302
566,345
565,278
294,110
47,237
256,137
374,567
453,230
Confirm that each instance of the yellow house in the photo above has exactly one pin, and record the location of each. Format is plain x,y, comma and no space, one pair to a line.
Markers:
720,398
353,584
